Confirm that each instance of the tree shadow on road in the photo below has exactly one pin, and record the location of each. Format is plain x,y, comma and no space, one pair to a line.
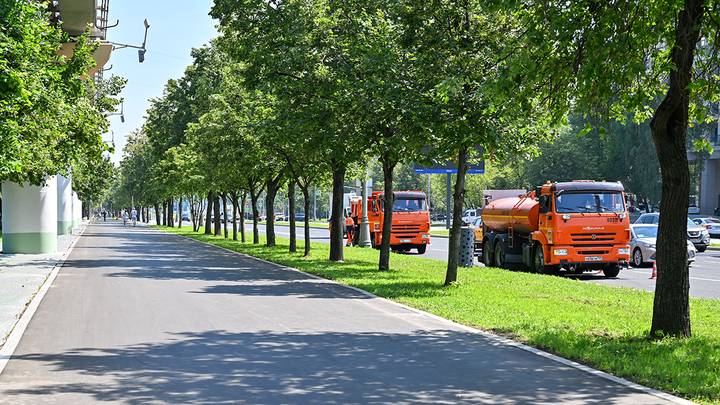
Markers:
272,367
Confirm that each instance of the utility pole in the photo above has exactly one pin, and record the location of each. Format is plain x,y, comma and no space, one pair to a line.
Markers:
364,240
448,199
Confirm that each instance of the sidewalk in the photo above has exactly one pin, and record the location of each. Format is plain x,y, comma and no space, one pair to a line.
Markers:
21,276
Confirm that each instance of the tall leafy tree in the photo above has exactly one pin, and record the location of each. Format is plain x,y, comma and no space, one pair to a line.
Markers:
655,59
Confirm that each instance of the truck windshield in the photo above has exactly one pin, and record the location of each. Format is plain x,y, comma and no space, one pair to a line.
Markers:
589,202
403,204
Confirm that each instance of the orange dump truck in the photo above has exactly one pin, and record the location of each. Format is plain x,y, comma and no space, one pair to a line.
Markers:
574,226
410,221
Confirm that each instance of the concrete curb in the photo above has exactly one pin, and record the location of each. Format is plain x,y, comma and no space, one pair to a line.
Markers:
490,336
13,339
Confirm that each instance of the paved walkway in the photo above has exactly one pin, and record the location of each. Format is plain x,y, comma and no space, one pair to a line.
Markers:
20,278
138,316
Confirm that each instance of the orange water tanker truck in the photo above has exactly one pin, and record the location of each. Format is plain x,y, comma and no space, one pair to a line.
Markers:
572,226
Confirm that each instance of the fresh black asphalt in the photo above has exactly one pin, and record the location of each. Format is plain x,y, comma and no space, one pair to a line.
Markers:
139,316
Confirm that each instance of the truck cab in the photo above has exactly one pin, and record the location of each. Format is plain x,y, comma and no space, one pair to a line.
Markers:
410,220
583,225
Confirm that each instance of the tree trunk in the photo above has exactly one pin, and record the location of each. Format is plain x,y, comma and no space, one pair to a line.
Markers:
336,217
225,214
216,215
234,199
164,213
170,216
291,213
158,218
458,198
253,202
242,216
180,214
208,223
306,227
388,200
271,189
671,307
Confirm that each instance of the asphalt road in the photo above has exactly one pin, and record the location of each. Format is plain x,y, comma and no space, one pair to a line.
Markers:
704,274
139,316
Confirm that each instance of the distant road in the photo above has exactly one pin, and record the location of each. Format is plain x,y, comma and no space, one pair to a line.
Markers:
704,274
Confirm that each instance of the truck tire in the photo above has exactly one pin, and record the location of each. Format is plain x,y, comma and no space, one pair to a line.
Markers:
487,256
611,270
421,249
538,263
499,255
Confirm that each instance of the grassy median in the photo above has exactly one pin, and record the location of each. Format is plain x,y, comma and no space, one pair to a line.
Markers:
602,326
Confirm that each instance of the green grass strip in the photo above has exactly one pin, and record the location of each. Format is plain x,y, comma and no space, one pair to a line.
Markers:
605,327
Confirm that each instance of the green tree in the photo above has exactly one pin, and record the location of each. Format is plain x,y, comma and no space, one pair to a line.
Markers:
654,59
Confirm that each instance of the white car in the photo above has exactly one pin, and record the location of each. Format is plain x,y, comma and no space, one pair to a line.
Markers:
642,245
711,224
469,216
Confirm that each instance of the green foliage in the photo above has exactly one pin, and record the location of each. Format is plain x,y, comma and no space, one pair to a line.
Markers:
50,114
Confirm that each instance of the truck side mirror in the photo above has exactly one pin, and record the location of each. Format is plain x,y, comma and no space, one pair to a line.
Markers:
544,204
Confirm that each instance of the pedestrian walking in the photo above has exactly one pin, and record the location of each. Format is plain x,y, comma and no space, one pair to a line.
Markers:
124,216
349,229
104,214
133,216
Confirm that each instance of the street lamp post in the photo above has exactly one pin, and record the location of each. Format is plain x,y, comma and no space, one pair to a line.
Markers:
364,240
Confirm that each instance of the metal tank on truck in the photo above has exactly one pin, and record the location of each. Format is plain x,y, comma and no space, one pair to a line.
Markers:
572,226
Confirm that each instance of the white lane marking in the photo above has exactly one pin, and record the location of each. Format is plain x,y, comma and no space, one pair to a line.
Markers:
704,279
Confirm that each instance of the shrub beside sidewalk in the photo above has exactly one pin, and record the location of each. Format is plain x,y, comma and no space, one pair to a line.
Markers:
605,327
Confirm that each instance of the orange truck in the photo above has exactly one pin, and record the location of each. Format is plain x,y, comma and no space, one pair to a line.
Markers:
410,220
574,226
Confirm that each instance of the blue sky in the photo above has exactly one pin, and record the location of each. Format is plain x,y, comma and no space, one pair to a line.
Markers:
176,26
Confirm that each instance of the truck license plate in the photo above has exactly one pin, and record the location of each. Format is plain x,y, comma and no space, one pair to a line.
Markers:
593,258
404,240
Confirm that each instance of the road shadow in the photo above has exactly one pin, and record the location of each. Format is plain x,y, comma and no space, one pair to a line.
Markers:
214,367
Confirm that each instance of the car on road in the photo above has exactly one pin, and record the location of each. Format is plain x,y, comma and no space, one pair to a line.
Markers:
698,235
299,217
642,245
711,224
186,217
470,215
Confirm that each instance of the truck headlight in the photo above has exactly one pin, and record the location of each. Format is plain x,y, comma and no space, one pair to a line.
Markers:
560,252
426,236
624,251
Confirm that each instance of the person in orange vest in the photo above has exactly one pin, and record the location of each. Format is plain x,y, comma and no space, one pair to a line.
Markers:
349,229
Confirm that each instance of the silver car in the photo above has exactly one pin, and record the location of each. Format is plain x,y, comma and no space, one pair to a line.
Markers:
711,224
642,245
698,235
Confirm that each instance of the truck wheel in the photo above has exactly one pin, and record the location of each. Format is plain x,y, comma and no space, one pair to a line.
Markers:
538,260
611,270
499,255
487,254
421,249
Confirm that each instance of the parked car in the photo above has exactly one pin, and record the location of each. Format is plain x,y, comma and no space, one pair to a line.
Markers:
642,245
698,235
711,224
299,217
186,217
470,215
